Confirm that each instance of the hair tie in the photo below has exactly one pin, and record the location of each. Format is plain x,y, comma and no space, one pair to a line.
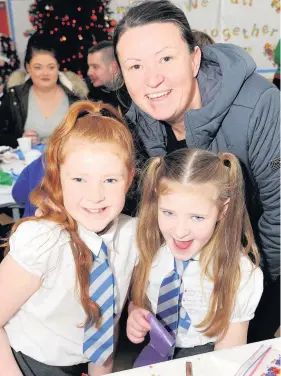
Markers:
225,161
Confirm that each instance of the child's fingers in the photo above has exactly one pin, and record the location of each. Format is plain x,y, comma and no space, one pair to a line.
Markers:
135,332
135,340
134,336
141,324
138,322
139,315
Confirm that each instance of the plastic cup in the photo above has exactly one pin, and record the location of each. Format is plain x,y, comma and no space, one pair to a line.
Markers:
31,156
24,144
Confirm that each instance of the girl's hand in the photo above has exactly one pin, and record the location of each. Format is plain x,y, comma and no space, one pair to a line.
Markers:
137,324
33,135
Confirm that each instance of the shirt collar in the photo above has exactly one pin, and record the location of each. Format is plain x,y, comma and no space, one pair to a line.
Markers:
196,257
93,240
166,261
170,262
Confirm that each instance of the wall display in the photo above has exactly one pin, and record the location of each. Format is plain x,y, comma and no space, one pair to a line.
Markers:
252,24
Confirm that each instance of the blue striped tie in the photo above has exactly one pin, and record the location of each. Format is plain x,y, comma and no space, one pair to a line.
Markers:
169,310
98,342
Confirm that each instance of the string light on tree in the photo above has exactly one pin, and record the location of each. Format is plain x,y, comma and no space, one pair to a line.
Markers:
73,26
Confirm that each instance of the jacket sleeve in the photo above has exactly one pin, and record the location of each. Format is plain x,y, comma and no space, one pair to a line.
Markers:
264,158
7,134
21,188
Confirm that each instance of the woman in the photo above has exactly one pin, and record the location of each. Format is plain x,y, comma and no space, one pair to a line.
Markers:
34,105
211,100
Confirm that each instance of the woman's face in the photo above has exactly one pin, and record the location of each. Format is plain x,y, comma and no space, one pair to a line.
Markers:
159,71
43,70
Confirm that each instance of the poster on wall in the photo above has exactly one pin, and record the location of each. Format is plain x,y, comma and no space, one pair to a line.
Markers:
251,24
4,19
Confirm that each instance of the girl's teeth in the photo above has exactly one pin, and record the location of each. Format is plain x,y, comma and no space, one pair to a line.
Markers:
95,210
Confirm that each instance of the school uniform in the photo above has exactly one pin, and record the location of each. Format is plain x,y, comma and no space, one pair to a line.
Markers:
196,299
46,327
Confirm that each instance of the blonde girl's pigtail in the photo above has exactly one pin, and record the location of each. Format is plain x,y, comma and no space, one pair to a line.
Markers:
236,202
233,224
148,236
237,208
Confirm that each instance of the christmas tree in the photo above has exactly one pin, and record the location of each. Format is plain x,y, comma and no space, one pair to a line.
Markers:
74,26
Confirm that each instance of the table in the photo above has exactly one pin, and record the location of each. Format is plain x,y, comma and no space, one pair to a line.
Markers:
6,199
217,363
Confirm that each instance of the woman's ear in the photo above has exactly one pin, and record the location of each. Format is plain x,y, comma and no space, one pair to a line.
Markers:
224,209
196,60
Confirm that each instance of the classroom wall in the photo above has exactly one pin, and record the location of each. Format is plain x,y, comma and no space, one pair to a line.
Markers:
252,24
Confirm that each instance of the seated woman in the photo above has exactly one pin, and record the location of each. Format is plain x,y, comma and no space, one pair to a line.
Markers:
35,104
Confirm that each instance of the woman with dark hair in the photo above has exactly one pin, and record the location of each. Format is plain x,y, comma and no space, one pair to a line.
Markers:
209,99
37,101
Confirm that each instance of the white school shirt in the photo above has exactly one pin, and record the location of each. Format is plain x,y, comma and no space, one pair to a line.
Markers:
46,326
196,301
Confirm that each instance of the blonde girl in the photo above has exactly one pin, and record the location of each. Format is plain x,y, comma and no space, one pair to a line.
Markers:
198,259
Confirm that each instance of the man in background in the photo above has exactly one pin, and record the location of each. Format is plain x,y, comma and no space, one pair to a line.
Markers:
102,77
102,65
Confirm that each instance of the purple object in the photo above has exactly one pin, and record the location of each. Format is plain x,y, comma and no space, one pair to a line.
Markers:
158,349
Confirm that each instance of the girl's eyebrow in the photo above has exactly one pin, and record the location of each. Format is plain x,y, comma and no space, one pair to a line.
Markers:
113,174
89,174
192,214
165,209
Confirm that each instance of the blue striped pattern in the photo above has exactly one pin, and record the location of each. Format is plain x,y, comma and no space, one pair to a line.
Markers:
169,309
98,342
184,319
